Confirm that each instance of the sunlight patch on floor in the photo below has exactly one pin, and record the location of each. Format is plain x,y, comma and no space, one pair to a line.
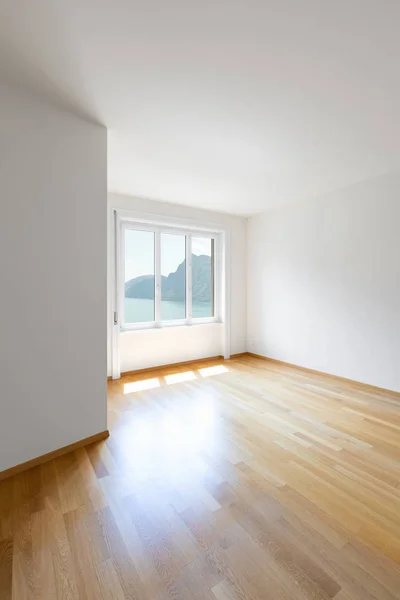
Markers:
143,384
148,384
178,377
209,371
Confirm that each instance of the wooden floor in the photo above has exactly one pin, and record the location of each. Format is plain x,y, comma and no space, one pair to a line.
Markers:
240,479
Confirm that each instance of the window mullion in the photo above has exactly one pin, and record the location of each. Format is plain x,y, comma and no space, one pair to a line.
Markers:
157,270
189,278
213,280
120,275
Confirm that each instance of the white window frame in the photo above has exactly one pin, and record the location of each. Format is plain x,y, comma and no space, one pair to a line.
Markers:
157,230
119,214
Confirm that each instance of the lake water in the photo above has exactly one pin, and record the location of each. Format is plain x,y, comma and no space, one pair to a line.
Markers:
141,310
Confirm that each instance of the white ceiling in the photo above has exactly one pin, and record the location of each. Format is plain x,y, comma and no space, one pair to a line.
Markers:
235,105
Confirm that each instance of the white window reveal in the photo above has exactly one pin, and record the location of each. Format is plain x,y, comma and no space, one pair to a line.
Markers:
168,276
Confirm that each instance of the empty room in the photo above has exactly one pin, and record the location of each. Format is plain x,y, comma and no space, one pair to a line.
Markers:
200,300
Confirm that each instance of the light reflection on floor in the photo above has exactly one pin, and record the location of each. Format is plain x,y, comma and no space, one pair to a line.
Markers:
170,443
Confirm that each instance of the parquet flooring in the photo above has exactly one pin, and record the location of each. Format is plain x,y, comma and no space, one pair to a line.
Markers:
242,479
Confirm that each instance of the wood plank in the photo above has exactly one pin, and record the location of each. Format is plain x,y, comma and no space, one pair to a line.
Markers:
6,562
259,481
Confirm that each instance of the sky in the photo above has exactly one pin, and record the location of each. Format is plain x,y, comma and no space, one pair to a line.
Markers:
139,252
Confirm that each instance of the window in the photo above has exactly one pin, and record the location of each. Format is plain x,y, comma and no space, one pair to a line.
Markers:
168,277
139,269
202,277
173,277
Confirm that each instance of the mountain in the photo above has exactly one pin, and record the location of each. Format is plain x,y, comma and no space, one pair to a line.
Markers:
173,287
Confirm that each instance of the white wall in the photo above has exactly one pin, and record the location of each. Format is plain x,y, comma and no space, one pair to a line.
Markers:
154,347
175,344
324,283
53,278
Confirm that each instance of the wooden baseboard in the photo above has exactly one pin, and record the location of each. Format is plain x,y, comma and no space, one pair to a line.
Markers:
360,384
265,358
39,460
171,365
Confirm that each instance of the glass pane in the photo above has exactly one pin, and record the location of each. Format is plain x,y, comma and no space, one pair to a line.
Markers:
202,277
173,277
139,276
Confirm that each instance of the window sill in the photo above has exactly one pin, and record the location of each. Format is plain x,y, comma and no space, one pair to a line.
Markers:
169,324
